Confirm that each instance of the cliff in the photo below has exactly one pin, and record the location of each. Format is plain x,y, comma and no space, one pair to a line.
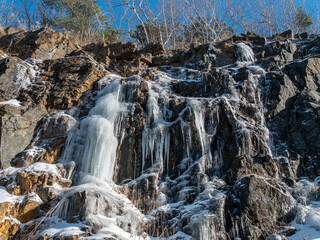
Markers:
107,141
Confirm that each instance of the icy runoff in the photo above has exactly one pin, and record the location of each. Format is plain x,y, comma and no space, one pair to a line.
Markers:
93,147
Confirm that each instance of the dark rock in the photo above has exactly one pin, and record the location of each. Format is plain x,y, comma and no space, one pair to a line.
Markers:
249,36
304,130
305,74
278,53
47,145
15,75
263,201
155,49
120,51
71,77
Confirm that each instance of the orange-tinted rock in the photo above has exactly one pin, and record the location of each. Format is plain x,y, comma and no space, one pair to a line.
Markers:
28,209
26,181
8,228
5,208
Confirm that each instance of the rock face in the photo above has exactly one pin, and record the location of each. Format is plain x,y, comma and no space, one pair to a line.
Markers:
220,141
44,44
15,75
17,129
259,201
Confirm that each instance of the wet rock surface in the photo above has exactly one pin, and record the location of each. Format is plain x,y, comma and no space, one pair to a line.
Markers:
218,141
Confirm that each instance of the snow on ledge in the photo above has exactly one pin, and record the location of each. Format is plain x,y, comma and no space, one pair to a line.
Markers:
7,197
14,102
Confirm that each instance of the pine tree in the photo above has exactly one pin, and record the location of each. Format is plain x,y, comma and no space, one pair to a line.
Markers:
80,16
303,20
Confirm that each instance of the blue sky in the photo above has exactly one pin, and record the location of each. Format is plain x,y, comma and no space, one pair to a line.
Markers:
312,6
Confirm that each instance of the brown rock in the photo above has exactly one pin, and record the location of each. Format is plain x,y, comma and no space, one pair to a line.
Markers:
46,194
155,49
41,44
8,226
8,229
72,77
5,209
146,58
14,189
28,209
26,181
120,51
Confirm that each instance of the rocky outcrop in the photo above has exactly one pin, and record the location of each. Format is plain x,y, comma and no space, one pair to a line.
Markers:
43,44
210,141
71,78
60,85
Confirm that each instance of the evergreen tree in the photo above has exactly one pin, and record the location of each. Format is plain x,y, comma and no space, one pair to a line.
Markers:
80,16
303,20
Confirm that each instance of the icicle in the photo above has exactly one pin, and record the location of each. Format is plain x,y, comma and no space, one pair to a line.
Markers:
199,124
244,53
96,134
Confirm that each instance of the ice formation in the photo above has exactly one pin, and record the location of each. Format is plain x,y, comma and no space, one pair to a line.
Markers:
93,151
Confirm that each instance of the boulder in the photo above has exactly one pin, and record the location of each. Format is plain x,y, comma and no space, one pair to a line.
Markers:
29,208
120,51
56,125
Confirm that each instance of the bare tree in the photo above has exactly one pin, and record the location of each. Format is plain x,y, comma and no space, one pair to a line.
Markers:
132,6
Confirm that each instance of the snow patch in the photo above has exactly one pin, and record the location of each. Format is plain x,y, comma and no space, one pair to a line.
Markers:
14,102
7,197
